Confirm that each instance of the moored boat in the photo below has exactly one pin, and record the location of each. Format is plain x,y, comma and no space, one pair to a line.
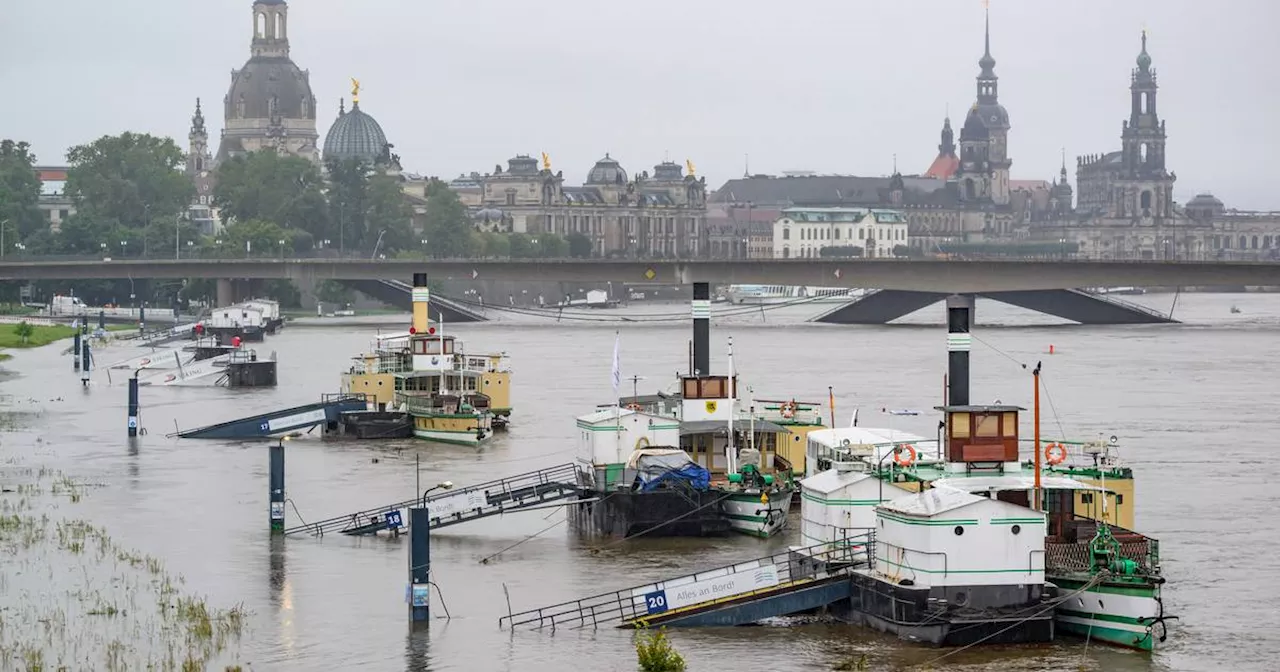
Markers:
449,395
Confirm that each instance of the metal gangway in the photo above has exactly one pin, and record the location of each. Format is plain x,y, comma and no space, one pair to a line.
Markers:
741,593
452,507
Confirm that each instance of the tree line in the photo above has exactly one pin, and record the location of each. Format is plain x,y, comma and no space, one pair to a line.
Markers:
129,198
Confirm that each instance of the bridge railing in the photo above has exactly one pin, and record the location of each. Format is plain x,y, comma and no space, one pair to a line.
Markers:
355,257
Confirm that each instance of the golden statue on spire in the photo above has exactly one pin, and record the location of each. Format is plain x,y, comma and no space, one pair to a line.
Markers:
355,91
546,161
689,165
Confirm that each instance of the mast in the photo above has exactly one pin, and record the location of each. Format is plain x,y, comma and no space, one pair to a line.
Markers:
831,403
617,402
444,374
730,453
1035,376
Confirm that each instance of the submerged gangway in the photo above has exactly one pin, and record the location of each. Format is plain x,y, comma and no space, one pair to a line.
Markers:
788,582
452,507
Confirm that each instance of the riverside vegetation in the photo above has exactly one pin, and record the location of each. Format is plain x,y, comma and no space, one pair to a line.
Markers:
76,599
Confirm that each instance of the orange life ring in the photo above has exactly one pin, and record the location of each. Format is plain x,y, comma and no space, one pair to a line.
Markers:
898,456
789,410
1055,454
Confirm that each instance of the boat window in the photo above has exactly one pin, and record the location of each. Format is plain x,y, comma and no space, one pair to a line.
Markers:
1010,424
987,425
712,388
960,425
419,347
690,388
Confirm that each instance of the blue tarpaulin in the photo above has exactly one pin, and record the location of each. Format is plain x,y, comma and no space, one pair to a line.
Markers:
653,470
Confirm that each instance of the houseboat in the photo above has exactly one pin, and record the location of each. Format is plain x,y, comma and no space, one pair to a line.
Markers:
1087,568
640,482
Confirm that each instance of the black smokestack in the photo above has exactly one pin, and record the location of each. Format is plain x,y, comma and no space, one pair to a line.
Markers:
419,279
958,341
701,329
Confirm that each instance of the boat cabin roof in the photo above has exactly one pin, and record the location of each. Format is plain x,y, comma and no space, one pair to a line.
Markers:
932,502
1012,482
969,408
721,428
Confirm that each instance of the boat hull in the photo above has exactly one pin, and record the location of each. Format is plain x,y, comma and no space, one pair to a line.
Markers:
458,429
658,513
748,515
1123,614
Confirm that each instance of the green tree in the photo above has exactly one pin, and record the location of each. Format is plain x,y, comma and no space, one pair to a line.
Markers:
521,246
19,191
552,246
495,244
447,225
579,245
128,179
23,330
389,214
284,190
332,291
349,203
253,238
656,654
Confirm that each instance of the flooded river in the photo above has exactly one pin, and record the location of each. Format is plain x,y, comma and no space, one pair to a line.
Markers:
1194,406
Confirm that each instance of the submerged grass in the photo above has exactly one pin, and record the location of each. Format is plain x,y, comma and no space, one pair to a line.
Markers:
88,602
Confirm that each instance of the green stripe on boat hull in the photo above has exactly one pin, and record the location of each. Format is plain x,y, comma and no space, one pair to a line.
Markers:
1102,631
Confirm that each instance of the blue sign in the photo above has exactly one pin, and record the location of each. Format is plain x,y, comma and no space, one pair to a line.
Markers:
133,422
266,426
394,521
655,602
421,595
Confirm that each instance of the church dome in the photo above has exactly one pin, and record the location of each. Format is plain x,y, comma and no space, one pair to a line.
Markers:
269,86
355,135
607,171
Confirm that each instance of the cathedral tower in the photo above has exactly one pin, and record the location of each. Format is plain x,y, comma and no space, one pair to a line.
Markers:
1149,184
984,138
199,161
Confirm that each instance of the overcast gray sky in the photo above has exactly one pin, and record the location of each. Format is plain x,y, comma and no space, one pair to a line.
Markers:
835,86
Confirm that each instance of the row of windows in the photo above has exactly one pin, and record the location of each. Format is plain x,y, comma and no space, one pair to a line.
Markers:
886,233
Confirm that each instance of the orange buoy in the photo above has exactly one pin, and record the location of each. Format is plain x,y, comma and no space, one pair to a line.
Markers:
1051,348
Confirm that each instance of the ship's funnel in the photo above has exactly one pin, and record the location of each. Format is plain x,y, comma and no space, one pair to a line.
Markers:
701,329
958,342
421,300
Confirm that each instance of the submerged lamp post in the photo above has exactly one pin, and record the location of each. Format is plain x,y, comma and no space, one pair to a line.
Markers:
276,483
420,557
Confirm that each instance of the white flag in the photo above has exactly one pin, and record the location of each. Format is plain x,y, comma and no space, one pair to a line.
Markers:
617,371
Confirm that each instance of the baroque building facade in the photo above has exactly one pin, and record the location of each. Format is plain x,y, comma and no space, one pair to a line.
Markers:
270,104
662,214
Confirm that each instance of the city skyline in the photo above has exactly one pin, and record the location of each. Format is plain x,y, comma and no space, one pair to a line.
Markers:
711,87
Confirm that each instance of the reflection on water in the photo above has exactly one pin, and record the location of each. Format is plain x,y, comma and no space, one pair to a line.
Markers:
1188,401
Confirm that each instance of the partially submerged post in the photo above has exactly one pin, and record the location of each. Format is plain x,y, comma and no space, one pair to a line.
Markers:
276,485
85,360
76,348
420,557
419,563
133,404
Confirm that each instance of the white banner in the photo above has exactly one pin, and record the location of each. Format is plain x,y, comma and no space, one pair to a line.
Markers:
706,590
463,501
290,421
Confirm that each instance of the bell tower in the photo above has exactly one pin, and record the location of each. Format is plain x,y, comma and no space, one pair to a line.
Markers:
1150,186
270,29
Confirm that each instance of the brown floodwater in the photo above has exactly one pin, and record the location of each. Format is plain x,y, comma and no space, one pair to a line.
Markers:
1194,406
